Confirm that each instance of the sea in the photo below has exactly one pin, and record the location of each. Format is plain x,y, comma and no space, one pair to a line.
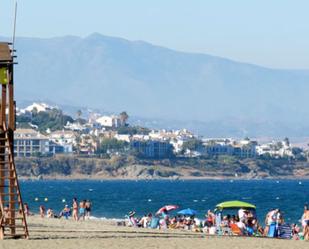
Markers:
113,199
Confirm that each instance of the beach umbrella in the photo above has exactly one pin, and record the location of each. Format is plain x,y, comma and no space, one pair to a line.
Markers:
235,205
167,208
188,212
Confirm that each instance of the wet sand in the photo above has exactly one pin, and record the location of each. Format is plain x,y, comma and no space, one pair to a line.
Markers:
67,234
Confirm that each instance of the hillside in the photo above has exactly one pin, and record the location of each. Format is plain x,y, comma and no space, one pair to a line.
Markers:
211,95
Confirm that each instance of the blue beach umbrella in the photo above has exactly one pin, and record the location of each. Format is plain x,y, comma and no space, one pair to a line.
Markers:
188,212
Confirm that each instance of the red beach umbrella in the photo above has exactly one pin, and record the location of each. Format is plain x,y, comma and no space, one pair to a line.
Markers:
167,208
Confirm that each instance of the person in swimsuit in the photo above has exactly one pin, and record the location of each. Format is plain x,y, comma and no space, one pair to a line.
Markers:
66,212
88,208
75,209
82,209
42,211
305,221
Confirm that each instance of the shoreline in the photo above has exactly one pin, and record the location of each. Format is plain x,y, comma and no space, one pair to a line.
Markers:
93,178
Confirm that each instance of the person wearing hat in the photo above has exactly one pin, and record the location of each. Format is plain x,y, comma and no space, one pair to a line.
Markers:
66,212
132,220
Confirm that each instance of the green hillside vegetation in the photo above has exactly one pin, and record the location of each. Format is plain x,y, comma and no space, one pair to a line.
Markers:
53,119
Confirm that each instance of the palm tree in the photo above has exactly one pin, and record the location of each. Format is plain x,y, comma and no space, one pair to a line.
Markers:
123,117
79,114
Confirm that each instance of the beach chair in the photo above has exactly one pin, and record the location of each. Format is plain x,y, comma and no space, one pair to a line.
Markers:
285,231
235,230
226,231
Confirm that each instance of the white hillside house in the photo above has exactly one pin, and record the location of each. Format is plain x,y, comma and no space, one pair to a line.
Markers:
110,121
40,107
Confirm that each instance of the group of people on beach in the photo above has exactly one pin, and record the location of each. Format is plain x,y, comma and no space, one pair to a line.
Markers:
78,211
243,222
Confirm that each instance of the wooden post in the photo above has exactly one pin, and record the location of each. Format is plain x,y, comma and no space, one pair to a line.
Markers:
11,126
2,142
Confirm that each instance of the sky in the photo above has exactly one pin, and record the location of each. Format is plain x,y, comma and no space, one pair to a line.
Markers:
271,33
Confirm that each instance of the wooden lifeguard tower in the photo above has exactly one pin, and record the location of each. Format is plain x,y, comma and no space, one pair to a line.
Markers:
12,217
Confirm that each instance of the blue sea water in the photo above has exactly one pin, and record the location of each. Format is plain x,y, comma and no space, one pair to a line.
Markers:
114,199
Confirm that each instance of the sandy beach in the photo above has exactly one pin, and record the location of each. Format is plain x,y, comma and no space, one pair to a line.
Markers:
67,234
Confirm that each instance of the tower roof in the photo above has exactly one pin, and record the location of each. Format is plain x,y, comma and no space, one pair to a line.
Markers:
5,52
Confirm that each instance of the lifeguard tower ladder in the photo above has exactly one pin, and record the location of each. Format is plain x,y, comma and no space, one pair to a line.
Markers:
12,217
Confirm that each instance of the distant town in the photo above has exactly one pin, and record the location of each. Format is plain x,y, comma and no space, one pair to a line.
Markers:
44,131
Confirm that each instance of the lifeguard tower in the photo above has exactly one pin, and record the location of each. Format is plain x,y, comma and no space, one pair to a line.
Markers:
12,216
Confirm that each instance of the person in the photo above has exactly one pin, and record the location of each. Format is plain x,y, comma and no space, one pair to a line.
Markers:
66,212
295,231
270,219
75,209
42,211
82,209
210,219
50,213
242,214
26,209
132,221
241,225
164,222
7,214
305,222
143,222
88,209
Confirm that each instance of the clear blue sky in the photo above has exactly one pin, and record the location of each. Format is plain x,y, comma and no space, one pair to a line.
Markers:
272,33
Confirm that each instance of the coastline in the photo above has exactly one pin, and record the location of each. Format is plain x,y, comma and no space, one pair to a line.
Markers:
77,168
94,178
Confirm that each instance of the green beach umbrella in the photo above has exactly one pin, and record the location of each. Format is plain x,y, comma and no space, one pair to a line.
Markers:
235,204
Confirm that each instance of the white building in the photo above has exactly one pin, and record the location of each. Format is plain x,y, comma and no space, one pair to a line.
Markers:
66,139
243,148
275,149
123,137
28,142
40,107
110,121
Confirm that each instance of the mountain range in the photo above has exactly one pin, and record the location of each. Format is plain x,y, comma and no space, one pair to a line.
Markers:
210,95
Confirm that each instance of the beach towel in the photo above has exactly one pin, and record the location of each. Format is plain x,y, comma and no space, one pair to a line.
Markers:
235,230
272,233
154,223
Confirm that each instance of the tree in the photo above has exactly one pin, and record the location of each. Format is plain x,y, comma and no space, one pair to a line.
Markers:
123,117
111,145
79,114
193,144
34,111
287,141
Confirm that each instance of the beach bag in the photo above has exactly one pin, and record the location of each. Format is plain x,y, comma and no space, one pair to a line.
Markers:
272,233
285,231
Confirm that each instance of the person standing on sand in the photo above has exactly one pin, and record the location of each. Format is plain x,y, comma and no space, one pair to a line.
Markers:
305,221
75,209
42,211
88,208
82,209
26,209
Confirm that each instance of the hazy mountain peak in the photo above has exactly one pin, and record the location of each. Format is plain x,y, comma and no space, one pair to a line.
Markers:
155,82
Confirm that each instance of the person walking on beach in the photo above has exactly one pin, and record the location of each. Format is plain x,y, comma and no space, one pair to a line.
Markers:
75,209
